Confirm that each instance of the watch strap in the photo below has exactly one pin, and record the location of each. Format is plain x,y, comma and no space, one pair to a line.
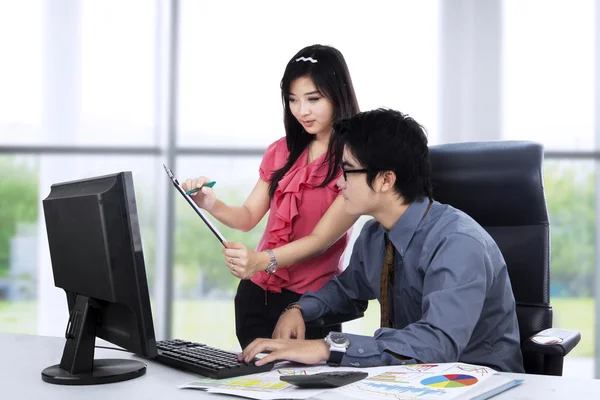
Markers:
272,267
335,358
336,350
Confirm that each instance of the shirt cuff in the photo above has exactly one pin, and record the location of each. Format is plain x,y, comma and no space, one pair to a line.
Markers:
312,308
365,351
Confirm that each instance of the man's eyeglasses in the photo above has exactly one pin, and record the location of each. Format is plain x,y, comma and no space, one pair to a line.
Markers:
353,171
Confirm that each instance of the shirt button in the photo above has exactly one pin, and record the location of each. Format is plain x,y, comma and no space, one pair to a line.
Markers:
361,350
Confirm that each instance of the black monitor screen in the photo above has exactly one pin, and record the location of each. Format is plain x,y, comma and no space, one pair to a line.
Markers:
96,253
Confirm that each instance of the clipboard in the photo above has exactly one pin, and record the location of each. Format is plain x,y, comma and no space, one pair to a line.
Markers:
198,210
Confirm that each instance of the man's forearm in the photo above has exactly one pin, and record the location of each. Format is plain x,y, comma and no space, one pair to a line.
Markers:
367,351
312,307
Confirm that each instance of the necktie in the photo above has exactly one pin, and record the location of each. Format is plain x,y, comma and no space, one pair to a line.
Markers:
387,280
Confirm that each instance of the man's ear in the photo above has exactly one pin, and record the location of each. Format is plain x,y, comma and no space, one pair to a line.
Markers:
388,179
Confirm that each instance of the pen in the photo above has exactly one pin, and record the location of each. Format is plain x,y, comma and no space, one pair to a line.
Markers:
207,184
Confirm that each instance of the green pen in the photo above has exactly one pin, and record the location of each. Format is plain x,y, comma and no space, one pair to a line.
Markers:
207,184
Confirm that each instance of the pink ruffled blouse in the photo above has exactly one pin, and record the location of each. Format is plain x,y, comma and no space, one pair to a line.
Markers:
295,210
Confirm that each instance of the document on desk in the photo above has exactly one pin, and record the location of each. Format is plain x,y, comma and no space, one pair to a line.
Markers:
431,381
401,382
268,386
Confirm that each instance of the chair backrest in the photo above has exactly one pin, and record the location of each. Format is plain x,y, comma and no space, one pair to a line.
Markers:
499,184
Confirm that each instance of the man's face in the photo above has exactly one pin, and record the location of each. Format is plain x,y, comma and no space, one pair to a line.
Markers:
359,198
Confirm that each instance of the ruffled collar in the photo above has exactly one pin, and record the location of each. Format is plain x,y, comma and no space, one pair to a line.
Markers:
288,197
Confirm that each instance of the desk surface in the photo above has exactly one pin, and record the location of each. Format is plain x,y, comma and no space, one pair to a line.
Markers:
23,357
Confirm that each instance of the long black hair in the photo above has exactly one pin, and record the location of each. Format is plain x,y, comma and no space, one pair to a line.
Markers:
331,77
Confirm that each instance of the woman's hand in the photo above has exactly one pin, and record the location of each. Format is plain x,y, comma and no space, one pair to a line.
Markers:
205,197
242,261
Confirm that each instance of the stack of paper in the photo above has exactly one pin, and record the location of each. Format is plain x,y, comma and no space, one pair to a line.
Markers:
267,384
416,381
429,381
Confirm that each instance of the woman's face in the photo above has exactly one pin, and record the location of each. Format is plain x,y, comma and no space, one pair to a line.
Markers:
313,110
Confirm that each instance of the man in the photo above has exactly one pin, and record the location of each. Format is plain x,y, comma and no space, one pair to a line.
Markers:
443,287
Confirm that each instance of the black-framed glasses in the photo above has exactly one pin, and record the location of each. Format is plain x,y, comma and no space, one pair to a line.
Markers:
353,171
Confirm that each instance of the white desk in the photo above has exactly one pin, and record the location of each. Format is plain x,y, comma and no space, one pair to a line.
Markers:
23,357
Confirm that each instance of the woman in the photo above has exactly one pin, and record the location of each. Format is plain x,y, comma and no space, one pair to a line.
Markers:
308,228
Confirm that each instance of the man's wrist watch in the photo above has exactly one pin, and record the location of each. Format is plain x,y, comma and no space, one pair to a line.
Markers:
272,267
338,344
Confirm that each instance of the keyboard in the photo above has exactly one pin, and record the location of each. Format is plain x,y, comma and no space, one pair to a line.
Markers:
205,360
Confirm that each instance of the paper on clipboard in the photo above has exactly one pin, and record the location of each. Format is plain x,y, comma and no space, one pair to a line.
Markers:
198,210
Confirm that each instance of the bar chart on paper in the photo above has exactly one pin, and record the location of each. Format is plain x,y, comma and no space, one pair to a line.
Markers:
424,382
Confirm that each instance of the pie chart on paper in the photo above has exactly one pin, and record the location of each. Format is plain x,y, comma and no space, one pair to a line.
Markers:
449,381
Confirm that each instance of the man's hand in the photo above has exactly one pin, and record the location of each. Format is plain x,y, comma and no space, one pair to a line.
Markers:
290,324
302,351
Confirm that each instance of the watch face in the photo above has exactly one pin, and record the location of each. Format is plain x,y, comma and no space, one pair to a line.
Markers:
338,338
271,268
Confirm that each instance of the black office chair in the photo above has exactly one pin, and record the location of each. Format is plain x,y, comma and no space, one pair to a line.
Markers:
499,184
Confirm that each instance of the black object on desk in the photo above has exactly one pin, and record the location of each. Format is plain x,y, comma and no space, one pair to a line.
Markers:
96,250
325,379
205,360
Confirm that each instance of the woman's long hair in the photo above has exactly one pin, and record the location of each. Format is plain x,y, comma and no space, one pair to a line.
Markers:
331,77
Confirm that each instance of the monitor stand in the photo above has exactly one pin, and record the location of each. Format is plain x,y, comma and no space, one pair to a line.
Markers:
77,366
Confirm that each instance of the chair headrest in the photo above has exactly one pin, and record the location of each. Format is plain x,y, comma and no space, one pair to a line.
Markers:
496,183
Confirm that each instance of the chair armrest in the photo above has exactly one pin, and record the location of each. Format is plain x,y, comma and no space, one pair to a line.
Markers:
333,319
552,341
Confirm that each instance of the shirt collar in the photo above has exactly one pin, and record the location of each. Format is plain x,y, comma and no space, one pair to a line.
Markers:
404,229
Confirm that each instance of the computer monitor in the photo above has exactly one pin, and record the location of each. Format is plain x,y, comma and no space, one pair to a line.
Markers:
96,253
